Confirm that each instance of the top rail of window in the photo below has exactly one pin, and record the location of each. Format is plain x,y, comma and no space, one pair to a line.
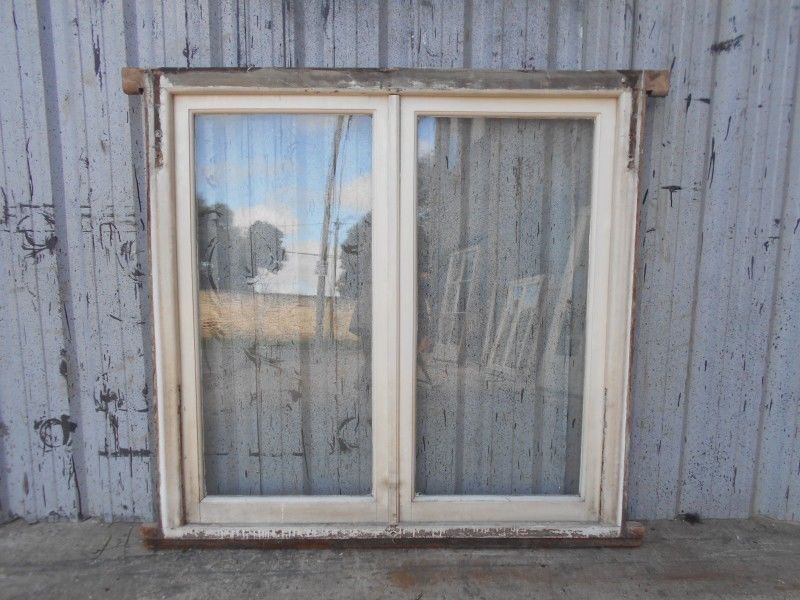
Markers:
398,81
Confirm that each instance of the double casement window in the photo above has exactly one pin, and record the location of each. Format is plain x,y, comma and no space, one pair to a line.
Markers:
392,304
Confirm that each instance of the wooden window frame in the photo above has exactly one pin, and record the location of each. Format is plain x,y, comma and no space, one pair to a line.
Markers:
198,506
616,100
611,232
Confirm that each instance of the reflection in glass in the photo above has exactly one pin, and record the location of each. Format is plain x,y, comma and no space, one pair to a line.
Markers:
502,235
283,245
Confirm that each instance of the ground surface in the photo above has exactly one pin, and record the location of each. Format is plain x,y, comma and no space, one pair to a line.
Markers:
715,559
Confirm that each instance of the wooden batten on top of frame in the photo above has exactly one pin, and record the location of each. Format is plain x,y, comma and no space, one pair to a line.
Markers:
391,191
399,81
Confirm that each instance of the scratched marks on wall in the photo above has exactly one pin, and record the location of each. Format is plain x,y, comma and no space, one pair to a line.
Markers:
36,465
55,432
73,230
715,388
115,406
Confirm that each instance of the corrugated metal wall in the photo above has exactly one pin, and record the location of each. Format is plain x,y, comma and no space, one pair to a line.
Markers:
717,340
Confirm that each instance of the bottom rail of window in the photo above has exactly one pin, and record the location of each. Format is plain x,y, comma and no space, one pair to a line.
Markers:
548,535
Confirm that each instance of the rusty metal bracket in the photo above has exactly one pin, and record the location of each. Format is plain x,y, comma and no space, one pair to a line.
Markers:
656,83
133,80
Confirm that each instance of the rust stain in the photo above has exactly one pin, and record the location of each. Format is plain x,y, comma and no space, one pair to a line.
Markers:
403,578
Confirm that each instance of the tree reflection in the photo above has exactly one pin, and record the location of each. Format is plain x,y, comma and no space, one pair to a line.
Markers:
231,257
355,282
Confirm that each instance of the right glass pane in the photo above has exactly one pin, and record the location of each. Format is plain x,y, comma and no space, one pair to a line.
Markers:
502,254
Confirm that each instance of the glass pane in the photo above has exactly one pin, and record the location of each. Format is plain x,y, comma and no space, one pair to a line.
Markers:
502,234
283,236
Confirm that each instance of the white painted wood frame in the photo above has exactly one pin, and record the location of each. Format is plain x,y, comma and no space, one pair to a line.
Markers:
393,509
606,319
198,506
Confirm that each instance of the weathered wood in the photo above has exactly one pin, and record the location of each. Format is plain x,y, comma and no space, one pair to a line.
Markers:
656,83
632,535
400,81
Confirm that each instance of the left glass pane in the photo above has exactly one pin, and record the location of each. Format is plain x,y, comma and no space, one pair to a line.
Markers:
283,205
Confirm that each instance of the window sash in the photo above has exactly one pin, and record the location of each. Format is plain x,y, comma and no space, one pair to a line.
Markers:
202,508
507,508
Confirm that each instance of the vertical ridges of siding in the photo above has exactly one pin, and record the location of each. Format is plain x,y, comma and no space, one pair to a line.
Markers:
717,334
758,229
65,114
653,415
672,187
131,271
38,430
102,276
777,466
721,417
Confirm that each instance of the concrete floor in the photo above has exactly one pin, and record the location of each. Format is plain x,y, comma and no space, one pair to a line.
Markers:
715,559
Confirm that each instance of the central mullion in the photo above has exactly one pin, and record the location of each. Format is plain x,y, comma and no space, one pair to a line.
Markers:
394,300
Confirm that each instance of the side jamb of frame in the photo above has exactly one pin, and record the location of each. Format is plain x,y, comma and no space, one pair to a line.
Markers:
163,266
620,305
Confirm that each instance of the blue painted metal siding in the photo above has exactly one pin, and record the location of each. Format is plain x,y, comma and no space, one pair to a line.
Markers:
716,384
